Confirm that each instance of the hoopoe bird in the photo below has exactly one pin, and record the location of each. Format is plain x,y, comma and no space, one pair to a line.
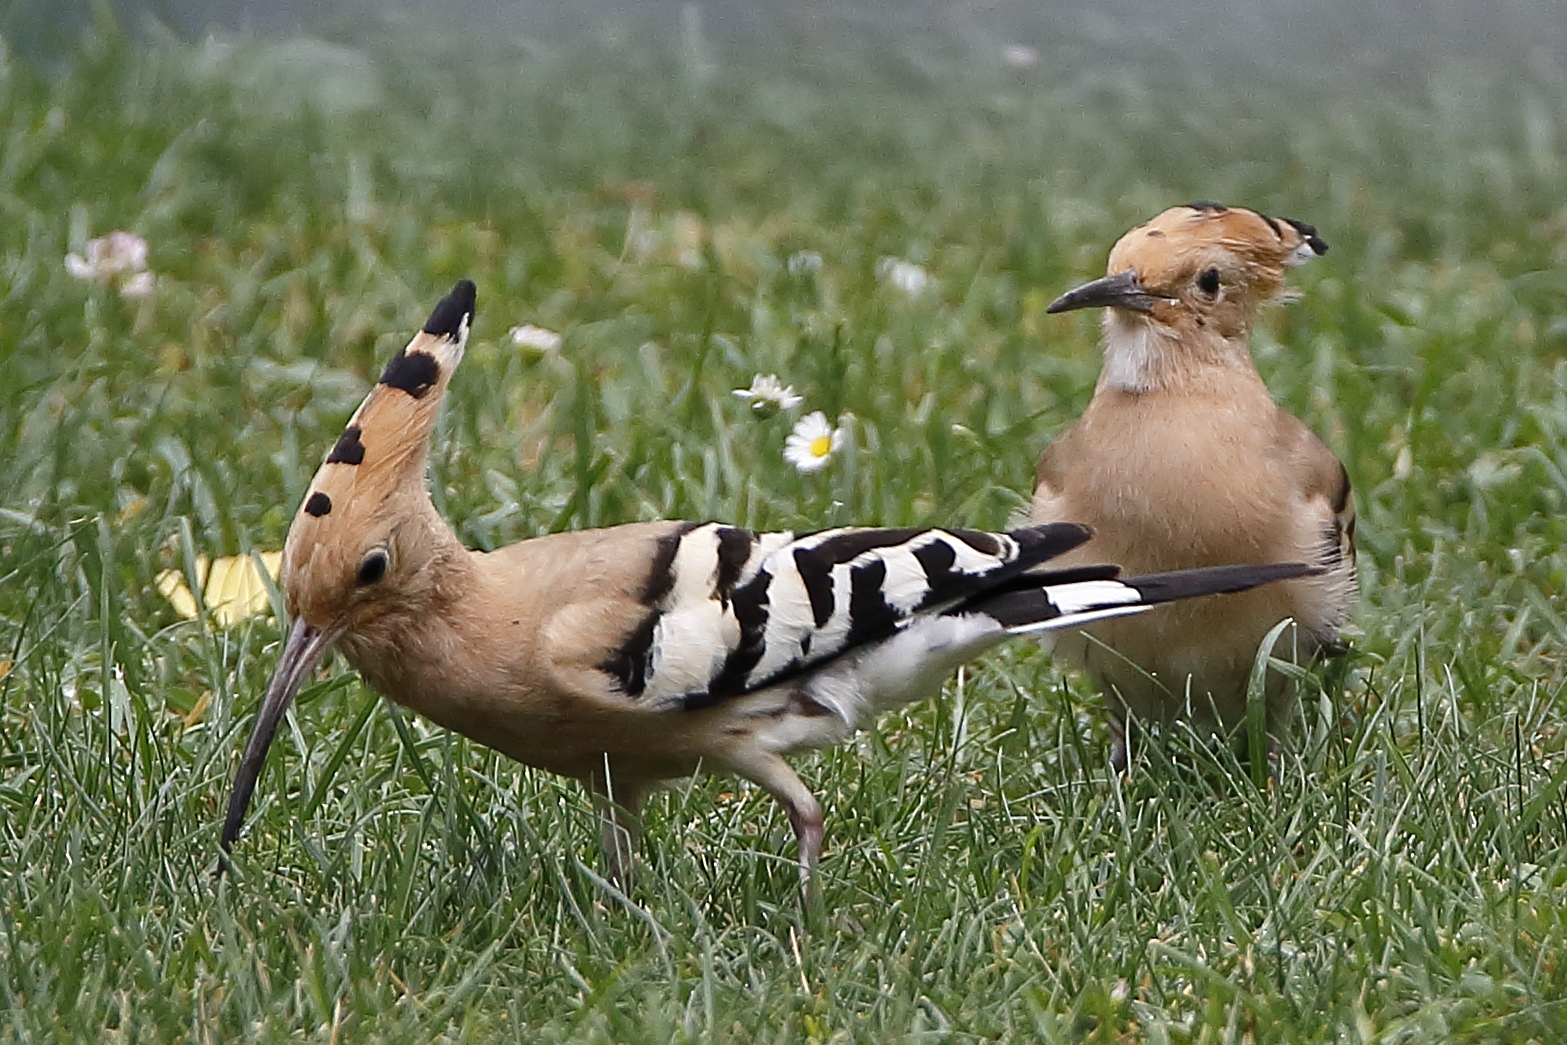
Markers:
635,654
1182,460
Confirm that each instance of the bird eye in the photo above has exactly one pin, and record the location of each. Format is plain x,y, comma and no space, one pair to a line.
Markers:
1208,282
372,569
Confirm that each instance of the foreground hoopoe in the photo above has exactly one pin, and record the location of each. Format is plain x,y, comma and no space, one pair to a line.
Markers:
1183,460
634,654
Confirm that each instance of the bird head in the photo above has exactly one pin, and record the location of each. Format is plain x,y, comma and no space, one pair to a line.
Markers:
362,544
1198,268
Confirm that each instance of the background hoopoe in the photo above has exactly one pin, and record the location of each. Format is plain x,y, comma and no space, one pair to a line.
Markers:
634,654
1183,460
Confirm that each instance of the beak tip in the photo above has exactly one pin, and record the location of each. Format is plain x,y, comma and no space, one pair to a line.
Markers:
302,651
1122,290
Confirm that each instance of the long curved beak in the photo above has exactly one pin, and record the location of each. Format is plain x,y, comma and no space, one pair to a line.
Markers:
301,653
1122,290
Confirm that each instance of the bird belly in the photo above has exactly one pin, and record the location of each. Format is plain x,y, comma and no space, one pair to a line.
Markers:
1167,503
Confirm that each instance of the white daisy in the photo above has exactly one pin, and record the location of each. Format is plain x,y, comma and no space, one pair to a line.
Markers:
812,443
904,275
535,339
768,395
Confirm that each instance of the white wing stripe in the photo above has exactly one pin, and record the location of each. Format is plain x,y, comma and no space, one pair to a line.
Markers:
1092,595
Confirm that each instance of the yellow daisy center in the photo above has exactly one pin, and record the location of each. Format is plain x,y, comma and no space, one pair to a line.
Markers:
821,446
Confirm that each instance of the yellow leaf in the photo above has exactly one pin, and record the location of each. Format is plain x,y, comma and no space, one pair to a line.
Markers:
171,584
202,704
232,591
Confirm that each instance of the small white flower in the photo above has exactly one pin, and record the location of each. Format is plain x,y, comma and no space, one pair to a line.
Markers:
768,395
109,256
137,286
118,257
1019,56
812,443
535,339
904,275
804,263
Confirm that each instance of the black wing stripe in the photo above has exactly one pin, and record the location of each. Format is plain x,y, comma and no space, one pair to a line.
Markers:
1016,609
1214,580
750,607
661,574
984,543
734,551
628,665
1037,544
815,572
936,558
753,610
869,614
840,546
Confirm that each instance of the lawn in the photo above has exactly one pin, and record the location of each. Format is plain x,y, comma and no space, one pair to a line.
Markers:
687,209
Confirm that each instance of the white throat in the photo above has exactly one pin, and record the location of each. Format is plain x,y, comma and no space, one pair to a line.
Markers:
1135,355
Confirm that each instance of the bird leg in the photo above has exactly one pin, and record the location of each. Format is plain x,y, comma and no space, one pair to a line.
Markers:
774,776
619,803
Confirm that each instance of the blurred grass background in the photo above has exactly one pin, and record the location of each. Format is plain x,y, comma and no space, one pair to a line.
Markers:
640,186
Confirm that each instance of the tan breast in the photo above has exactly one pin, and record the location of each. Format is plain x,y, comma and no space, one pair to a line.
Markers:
1174,483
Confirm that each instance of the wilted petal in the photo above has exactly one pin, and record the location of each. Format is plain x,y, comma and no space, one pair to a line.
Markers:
137,286
122,252
535,339
804,263
1019,56
906,276
80,267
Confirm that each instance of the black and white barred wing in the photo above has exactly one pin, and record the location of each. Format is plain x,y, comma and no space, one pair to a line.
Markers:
732,611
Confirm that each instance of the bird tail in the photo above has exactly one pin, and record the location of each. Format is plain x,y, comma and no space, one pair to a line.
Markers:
1071,598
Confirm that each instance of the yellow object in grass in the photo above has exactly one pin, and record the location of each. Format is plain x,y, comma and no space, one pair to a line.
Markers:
232,588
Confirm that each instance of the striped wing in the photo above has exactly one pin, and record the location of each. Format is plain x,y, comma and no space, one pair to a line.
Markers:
732,611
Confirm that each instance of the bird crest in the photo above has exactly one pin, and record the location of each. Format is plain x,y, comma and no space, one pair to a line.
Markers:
356,513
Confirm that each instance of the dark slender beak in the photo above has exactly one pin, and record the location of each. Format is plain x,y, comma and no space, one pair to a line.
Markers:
1122,290
301,653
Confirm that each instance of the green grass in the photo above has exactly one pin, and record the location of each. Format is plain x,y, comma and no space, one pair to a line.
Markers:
1402,880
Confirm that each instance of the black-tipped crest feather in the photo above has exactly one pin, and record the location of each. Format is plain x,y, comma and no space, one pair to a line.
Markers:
412,372
447,319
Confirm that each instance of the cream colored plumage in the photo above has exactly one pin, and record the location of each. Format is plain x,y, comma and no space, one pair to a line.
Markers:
631,655
1182,459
